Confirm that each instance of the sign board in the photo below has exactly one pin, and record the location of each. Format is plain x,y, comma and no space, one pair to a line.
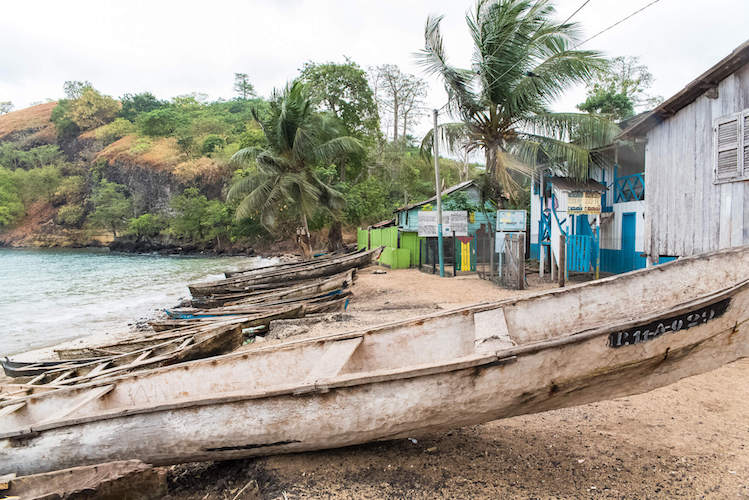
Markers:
511,220
583,202
452,221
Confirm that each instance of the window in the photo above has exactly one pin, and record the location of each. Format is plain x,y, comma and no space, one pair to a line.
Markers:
731,135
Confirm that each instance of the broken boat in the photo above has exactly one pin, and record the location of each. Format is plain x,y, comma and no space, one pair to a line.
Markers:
617,336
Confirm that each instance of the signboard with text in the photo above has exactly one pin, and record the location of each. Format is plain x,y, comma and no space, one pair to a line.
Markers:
583,202
452,221
511,220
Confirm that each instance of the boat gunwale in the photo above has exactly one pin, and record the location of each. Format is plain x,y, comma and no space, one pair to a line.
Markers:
502,356
319,265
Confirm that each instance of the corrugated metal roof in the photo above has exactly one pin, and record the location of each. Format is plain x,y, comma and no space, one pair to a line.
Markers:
567,184
446,192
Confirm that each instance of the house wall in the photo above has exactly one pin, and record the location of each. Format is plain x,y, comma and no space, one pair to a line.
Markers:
686,213
535,217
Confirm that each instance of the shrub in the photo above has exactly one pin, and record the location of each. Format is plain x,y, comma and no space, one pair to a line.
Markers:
146,226
136,104
212,143
70,190
160,122
115,130
11,206
93,109
70,215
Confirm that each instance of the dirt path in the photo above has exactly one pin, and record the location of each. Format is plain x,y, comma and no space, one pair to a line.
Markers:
686,440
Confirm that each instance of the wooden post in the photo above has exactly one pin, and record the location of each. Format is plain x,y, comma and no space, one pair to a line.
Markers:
541,248
562,270
521,261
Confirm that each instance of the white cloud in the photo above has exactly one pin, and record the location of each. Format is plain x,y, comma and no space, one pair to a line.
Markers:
172,48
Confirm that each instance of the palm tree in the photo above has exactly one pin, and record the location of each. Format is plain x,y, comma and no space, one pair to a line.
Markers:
298,140
522,61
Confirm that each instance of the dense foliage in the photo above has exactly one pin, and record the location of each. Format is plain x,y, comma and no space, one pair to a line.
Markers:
332,150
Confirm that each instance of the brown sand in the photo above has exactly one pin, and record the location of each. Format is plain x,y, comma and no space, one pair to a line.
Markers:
686,440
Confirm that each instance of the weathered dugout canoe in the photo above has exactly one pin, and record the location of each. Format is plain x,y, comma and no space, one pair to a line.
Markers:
13,368
289,265
310,288
123,480
242,309
601,340
219,338
325,268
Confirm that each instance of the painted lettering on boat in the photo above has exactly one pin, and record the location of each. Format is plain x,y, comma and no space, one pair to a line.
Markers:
677,323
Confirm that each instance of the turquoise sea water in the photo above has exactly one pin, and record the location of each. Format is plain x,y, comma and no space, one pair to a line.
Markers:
48,296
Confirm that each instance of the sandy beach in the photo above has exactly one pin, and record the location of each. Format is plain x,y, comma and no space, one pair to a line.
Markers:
684,440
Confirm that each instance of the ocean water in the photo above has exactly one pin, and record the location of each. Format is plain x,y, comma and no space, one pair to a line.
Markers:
49,296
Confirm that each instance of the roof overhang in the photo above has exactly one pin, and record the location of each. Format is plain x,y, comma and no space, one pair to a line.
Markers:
706,82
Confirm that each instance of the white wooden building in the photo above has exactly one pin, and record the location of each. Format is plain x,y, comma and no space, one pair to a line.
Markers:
676,180
697,163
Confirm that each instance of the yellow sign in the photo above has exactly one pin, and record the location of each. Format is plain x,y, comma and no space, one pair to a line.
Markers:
584,202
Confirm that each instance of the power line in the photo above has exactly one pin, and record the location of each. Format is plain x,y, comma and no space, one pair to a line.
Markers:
565,22
576,11
616,23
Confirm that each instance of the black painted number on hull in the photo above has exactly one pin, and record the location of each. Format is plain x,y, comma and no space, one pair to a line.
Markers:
684,321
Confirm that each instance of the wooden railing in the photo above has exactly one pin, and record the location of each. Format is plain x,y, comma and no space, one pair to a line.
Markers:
629,188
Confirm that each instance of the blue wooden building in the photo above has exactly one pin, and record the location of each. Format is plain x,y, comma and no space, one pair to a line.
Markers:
407,219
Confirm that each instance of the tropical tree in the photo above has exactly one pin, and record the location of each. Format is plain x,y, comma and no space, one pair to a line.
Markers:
522,61
298,140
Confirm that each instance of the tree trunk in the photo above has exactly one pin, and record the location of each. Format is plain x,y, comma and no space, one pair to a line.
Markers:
335,236
303,239
395,119
405,124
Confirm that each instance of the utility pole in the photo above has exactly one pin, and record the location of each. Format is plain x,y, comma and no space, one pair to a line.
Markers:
435,136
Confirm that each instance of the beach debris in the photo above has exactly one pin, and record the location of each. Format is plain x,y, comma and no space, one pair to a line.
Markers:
130,479
379,271
250,491
414,441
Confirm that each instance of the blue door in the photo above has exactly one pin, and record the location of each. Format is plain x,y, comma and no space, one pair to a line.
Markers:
627,260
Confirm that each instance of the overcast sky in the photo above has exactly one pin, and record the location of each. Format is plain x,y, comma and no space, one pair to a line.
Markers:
176,47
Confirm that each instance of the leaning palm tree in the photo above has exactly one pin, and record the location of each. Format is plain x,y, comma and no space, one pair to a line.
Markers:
522,61
298,140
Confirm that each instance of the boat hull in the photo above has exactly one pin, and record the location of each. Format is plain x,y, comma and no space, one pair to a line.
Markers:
553,350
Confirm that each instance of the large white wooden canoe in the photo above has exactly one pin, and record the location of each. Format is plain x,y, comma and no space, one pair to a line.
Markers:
617,336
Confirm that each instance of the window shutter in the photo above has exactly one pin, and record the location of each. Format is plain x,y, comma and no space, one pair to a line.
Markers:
727,142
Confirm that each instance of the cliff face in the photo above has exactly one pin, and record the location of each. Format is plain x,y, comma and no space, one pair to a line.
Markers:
153,170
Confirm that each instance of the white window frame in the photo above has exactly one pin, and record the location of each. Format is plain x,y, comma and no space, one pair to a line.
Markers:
742,170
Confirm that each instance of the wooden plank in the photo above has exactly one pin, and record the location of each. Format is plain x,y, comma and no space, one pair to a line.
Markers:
7,410
87,398
98,368
726,193
336,355
62,377
737,214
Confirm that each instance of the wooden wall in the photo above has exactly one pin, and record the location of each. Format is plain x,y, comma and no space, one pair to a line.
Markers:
686,213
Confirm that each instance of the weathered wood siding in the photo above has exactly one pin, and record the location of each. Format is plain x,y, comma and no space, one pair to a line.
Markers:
686,213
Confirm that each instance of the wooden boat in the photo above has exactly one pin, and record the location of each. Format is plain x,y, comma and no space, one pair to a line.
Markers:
123,480
292,289
13,368
289,265
252,308
601,340
218,338
316,270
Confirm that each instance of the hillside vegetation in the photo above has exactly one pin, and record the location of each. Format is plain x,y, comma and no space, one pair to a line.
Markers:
154,174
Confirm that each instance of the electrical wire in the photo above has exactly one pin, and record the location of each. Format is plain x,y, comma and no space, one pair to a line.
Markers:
616,23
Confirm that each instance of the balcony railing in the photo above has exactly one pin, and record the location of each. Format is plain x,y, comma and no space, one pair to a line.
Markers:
629,188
